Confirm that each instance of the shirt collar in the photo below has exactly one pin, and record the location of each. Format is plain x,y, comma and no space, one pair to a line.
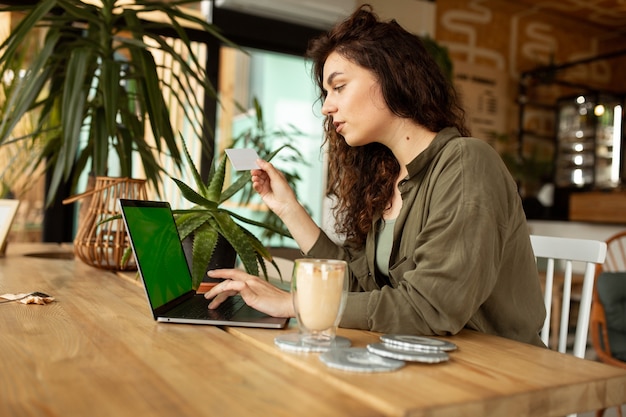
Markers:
423,159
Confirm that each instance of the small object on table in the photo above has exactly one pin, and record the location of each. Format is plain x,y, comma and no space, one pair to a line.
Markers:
28,298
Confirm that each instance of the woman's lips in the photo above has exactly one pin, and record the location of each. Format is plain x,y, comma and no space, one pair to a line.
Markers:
338,126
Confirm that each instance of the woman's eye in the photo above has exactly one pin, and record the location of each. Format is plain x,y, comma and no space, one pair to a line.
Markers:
339,87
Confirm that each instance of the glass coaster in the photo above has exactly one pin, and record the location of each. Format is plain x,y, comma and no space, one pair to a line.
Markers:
359,360
294,342
417,343
393,352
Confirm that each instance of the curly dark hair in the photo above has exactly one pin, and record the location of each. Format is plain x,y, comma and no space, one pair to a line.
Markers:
413,86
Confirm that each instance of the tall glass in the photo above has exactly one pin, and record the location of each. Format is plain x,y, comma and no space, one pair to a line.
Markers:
319,289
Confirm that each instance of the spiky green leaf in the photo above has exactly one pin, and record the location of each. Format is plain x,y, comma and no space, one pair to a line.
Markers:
239,240
204,242
202,190
216,185
188,223
241,181
263,225
193,196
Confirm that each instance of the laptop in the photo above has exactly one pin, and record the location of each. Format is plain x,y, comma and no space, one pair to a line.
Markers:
166,276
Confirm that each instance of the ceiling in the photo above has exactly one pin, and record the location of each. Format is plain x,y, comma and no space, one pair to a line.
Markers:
605,15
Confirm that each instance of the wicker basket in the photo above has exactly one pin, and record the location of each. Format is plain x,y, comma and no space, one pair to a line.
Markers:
103,244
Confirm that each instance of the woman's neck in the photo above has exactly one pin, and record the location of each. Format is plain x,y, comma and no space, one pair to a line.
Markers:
408,140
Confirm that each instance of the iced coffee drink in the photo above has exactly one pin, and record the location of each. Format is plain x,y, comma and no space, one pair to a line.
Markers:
319,289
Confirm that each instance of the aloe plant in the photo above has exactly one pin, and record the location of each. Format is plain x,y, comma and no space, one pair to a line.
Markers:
96,72
207,220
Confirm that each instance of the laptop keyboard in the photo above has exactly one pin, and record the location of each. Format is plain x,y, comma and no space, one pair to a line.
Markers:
198,308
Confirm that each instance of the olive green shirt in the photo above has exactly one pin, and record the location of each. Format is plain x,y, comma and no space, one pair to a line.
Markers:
461,256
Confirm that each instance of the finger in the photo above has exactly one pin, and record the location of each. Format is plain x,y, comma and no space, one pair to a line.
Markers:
220,298
259,177
259,170
222,291
228,286
217,289
216,301
269,169
264,165
231,273
258,183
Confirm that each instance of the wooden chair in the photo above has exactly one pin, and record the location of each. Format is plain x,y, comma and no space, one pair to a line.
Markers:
609,278
567,251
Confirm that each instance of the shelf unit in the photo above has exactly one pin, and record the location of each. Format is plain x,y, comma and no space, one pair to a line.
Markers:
545,91
589,138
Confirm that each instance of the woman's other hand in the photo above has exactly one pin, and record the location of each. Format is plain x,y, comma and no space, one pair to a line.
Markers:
273,188
280,198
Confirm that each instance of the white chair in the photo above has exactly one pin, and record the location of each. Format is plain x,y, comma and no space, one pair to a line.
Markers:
568,250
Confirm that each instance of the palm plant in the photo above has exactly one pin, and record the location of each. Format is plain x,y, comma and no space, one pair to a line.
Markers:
15,157
96,74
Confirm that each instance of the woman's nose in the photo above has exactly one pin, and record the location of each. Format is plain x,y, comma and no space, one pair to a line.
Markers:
328,107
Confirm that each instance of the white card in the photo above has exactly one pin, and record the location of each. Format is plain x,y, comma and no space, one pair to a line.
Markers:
243,159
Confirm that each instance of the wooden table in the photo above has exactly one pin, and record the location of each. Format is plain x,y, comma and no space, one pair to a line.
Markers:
97,351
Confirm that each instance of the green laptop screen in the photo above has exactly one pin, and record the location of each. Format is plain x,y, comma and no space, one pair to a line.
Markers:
158,252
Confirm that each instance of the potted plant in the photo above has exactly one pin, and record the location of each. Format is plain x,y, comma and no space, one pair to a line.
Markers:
96,74
207,224
208,229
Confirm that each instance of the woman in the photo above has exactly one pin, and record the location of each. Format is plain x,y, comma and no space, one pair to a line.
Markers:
435,234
